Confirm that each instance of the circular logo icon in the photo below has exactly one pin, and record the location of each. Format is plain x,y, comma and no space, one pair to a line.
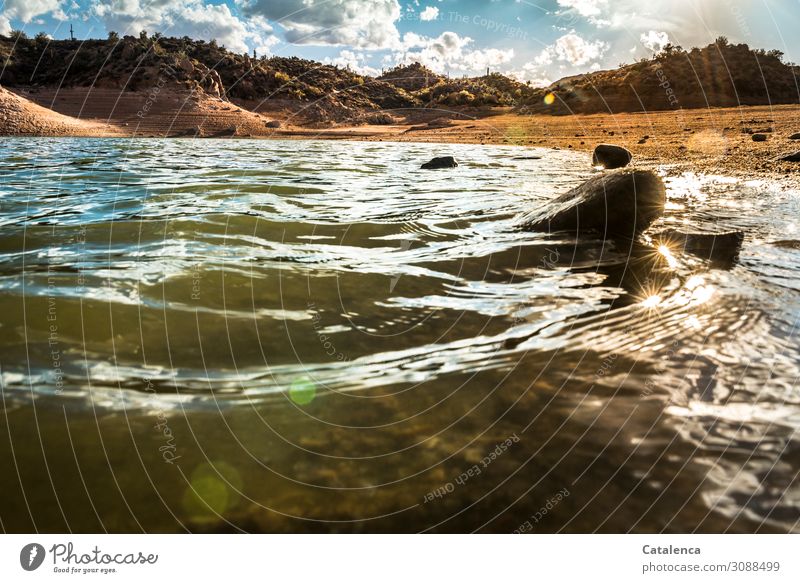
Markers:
31,556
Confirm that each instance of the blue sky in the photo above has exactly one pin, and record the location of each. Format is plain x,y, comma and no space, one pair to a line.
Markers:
532,40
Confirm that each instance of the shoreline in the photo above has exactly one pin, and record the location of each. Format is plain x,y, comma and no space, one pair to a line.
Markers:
711,140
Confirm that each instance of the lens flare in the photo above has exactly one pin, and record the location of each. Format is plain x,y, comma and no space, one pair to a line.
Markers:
303,391
550,99
651,301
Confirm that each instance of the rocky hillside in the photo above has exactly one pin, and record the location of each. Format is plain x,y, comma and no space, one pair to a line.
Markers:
143,63
323,92
432,89
719,75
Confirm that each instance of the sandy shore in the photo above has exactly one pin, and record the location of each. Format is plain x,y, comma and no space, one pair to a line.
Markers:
707,140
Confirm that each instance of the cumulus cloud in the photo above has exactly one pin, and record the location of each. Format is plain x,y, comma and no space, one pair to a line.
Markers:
569,49
449,52
572,49
654,40
356,62
368,24
430,13
186,17
5,26
26,10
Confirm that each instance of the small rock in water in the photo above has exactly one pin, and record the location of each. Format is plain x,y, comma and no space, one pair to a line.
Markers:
793,157
610,156
795,136
617,204
715,246
759,137
440,162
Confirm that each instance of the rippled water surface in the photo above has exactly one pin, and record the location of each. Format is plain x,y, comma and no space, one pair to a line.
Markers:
313,336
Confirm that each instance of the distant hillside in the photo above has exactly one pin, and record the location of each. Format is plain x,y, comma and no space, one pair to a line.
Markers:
323,92
142,63
432,89
412,78
719,75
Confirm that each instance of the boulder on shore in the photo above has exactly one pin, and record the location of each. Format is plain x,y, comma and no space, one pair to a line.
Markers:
620,203
759,137
795,136
610,156
440,162
793,157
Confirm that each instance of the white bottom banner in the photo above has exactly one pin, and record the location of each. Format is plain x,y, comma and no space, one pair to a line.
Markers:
400,558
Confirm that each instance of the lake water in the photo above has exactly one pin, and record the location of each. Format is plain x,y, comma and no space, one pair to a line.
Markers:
285,336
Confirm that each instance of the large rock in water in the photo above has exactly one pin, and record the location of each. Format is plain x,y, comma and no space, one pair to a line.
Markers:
611,156
621,203
441,162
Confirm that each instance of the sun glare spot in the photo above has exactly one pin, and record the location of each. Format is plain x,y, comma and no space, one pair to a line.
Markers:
652,301
667,254
549,99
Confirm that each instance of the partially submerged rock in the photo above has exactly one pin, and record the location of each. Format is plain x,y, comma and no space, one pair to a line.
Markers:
620,203
611,156
715,246
440,162
787,244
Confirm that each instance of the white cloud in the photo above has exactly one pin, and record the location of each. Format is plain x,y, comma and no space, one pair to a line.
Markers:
186,17
585,7
430,13
530,73
572,49
26,10
688,22
5,26
353,61
449,52
654,40
368,24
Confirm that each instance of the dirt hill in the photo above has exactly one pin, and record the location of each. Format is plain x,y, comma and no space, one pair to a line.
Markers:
21,117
